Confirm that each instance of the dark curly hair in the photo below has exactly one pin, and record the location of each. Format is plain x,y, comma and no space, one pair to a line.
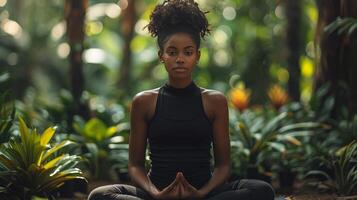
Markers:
173,16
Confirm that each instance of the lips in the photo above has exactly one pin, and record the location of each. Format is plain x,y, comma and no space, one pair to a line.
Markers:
179,69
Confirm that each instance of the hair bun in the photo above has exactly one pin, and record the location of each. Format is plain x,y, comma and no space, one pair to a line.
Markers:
173,13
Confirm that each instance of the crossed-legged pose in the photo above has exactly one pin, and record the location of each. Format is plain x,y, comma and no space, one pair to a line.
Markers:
181,123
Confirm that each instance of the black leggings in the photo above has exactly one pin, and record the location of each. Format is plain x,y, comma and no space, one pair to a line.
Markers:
245,189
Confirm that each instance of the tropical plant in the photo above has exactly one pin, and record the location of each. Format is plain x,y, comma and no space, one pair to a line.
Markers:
343,162
7,115
30,165
98,140
260,136
278,96
240,97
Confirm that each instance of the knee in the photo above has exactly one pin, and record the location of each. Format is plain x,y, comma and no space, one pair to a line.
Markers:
264,190
100,193
95,194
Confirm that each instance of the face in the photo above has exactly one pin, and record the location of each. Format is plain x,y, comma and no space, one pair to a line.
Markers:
180,55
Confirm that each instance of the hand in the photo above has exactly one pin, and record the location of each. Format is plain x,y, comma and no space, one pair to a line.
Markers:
186,190
168,193
180,188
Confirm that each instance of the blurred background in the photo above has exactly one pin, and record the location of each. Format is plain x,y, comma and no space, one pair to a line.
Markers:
78,63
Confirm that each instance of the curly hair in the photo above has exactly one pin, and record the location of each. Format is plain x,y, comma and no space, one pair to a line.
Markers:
174,16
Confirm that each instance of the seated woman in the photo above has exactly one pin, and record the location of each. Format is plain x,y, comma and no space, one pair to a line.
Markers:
181,122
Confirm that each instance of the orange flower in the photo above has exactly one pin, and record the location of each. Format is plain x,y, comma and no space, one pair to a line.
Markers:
278,96
240,98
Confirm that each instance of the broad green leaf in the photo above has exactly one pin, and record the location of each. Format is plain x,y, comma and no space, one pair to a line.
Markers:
111,131
95,129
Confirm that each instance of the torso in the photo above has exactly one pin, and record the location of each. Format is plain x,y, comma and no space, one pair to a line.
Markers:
152,98
179,133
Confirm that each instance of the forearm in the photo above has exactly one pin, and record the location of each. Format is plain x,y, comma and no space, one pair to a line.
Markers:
140,178
219,176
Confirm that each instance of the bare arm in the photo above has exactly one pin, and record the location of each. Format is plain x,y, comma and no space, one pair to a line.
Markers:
137,143
221,145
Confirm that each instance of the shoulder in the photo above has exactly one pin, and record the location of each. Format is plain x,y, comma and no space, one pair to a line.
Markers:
214,97
145,97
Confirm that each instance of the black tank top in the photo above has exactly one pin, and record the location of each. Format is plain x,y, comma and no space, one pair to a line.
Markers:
179,137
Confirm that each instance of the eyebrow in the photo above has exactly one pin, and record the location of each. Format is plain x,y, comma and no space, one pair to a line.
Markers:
172,47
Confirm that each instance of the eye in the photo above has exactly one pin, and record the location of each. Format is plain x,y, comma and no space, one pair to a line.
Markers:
188,53
171,53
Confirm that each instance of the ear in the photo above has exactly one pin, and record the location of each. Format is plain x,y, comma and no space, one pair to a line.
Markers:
159,54
198,55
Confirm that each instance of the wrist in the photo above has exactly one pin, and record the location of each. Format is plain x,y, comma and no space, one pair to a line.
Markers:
201,194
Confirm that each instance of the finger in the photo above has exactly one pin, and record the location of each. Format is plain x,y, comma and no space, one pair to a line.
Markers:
179,175
180,189
172,185
186,184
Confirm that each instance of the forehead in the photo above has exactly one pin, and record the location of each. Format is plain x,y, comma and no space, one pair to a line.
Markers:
179,40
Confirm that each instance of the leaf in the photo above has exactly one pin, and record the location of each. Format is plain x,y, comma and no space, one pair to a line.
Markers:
95,129
278,146
47,135
304,125
4,161
318,172
246,135
274,123
290,139
53,162
24,132
352,29
56,148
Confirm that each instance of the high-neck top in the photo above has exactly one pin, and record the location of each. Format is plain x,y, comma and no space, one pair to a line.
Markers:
179,137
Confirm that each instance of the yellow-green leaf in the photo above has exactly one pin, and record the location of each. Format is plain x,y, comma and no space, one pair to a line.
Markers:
56,148
293,140
24,132
46,136
53,162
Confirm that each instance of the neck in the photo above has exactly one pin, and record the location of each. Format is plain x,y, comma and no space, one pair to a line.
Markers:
179,83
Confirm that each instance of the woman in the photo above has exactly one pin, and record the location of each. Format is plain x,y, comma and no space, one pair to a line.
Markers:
179,121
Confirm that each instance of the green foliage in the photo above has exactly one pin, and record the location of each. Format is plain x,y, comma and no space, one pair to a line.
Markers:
346,25
30,165
260,136
344,165
7,115
102,145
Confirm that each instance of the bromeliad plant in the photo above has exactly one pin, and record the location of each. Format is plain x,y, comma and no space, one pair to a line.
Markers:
30,165
343,162
259,136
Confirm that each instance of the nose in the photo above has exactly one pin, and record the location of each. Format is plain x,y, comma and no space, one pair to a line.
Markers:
179,59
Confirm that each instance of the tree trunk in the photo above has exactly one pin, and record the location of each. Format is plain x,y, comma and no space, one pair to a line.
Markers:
338,58
293,41
75,11
128,27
